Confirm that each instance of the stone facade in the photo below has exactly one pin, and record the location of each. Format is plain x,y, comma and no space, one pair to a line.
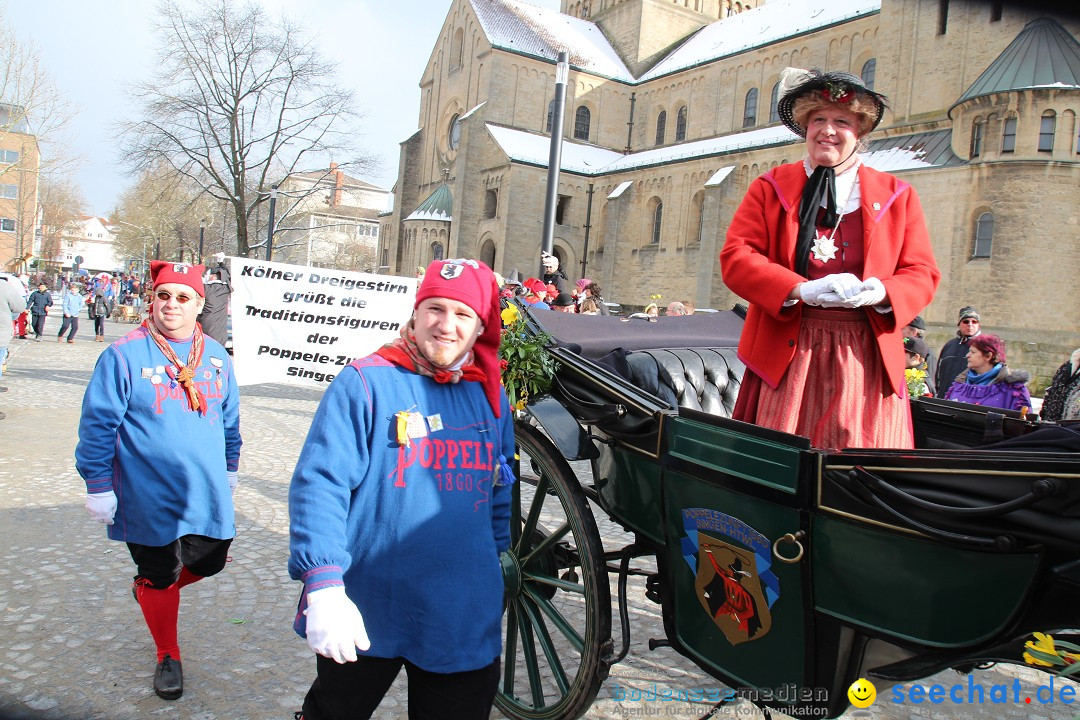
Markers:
655,223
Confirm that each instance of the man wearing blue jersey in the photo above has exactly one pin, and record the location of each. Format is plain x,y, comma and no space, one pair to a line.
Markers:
159,447
399,508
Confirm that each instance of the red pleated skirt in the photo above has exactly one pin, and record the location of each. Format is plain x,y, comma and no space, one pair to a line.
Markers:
835,391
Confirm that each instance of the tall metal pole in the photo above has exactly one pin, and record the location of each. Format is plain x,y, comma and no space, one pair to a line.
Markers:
202,229
270,224
547,242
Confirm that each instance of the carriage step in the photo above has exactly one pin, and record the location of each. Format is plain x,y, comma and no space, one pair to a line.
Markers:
652,589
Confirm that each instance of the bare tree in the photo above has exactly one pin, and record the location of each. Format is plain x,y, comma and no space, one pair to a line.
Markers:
159,217
33,118
62,205
238,102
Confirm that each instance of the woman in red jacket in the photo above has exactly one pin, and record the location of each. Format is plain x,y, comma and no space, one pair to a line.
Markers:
834,259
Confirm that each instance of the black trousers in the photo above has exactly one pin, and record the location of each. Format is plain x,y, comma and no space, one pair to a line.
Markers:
99,325
38,322
161,566
69,321
352,691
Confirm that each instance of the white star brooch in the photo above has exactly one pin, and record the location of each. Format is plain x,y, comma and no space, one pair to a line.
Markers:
823,249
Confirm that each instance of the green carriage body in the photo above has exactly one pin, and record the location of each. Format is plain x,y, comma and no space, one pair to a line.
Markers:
877,591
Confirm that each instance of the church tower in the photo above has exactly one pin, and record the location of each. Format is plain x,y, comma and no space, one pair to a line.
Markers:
643,31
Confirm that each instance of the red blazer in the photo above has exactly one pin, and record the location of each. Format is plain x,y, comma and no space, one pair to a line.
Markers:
758,256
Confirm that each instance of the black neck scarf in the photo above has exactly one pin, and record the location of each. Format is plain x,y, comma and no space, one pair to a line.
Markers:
820,185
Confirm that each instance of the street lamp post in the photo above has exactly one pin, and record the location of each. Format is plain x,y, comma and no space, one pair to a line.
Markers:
202,229
270,225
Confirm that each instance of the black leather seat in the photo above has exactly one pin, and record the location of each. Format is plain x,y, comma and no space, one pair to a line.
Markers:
705,379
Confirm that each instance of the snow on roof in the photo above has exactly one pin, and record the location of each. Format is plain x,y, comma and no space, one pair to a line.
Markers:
533,149
439,206
719,176
912,152
618,191
765,24
529,30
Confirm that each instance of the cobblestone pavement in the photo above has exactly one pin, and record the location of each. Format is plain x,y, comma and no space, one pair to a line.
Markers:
73,643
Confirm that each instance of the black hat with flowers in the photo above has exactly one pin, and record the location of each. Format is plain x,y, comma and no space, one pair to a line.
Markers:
834,87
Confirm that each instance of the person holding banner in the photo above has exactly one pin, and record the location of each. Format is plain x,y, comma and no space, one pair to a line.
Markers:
399,508
159,446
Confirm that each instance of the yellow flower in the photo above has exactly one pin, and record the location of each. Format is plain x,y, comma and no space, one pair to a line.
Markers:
1042,642
1034,661
510,315
520,405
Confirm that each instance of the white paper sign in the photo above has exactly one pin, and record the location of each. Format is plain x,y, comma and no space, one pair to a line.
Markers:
302,325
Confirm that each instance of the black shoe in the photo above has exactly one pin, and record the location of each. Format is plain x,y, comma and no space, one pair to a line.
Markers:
169,679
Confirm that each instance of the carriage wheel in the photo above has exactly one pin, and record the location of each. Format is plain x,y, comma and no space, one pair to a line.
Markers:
557,627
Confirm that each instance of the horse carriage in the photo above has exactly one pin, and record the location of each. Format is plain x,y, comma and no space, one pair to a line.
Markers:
776,565
126,313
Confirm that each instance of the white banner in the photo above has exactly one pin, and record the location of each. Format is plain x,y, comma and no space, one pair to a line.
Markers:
302,325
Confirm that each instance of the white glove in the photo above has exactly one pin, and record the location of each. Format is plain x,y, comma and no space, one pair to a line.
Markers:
873,292
833,300
101,506
843,284
233,480
335,628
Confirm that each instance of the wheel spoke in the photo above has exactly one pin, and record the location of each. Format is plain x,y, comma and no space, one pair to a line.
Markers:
535,508
544,638
557,618
509,667
544,545
554,581
529,656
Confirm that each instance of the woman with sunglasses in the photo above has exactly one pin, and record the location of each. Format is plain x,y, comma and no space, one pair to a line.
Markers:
159,447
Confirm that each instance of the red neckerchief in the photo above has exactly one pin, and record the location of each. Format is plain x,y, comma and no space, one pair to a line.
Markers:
404,352
185,374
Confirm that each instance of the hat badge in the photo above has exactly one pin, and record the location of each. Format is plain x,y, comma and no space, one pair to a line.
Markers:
182,269
451,271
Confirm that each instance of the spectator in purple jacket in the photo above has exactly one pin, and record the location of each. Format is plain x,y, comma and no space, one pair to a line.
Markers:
988,380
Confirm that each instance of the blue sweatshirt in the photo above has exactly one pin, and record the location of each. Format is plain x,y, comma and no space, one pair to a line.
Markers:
73,303
412,531
139,437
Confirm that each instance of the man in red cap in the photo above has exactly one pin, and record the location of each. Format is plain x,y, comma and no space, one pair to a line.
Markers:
159,446
399,508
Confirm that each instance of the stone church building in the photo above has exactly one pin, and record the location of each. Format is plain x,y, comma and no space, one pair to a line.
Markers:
671,112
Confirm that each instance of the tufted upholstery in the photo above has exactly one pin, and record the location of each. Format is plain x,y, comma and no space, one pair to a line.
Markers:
705,379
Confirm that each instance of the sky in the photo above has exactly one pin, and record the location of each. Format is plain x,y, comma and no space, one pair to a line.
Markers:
93,50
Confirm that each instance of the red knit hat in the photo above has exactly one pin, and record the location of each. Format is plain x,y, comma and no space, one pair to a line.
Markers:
162,272
473,283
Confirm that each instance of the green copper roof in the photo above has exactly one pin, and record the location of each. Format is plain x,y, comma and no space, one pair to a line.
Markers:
439,206
1044,54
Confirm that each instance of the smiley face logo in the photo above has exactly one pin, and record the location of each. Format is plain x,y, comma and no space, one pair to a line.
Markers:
862,693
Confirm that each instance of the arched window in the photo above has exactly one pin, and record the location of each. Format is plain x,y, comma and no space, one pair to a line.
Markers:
984,235
749,118
1008,135
680,125
774,100
976,138
491,204
1046,131
657,222
582,119
869,73
661,127
436,251
457,49
697,216
487,252
550,115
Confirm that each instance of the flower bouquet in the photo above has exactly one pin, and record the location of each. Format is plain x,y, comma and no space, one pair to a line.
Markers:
527,368
1044,652
916,382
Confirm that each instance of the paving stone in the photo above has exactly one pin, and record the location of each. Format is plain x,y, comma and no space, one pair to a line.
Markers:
74,644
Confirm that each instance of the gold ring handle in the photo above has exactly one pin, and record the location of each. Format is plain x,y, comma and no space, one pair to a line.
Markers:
794,538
